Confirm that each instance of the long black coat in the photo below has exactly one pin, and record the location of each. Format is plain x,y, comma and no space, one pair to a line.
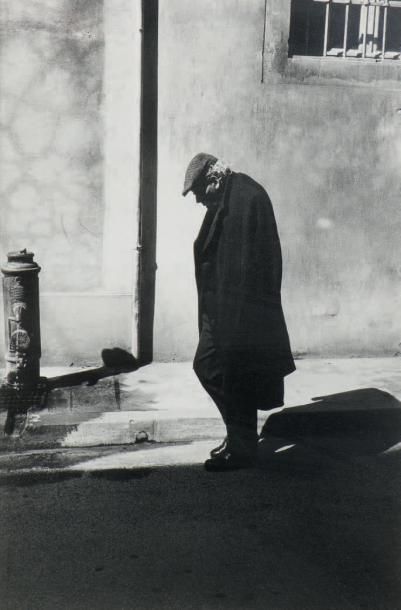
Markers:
238,268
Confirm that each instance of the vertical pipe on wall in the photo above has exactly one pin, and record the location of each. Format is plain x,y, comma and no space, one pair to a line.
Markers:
148,182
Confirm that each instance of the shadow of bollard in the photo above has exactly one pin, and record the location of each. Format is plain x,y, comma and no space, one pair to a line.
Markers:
17,403
116,361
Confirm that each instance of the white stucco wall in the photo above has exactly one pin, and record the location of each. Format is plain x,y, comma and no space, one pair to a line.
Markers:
326,149
69,162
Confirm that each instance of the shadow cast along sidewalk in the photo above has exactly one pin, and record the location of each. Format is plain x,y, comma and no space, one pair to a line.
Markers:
358,409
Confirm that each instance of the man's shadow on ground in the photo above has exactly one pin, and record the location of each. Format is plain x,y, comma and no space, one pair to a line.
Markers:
363,422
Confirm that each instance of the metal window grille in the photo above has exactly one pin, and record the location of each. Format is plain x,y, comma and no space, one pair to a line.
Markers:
362,29
365,29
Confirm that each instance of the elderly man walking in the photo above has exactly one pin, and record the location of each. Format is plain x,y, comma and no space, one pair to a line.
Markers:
244,351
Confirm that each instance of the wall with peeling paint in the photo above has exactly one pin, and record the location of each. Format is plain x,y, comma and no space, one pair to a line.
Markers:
325,141
69,97
52,57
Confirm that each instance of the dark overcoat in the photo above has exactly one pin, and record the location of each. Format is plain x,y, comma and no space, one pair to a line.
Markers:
238,269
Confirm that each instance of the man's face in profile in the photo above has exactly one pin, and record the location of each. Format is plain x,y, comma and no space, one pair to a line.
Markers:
199,190
204,194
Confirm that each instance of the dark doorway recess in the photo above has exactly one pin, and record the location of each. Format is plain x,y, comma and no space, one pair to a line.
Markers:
148,182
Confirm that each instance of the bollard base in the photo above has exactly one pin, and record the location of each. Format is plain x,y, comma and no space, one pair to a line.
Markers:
17,403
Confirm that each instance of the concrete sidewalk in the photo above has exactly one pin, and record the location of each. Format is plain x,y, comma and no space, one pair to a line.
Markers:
164,403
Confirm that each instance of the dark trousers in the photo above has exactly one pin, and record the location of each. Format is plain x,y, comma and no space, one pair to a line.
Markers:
236,400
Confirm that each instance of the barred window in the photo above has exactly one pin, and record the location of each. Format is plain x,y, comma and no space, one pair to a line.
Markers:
361,29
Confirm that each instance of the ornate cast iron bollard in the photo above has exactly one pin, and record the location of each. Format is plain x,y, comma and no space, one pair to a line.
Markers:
23,388
22,323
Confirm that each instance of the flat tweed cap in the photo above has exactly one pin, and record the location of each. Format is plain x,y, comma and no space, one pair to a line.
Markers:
195,168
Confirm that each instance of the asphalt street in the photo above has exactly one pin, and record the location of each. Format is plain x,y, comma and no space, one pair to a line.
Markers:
301,532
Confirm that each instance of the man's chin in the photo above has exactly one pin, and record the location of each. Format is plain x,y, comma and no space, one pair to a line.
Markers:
210,203
211,199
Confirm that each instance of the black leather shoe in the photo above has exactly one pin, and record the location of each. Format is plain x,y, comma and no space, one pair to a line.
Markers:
227,461
220,449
